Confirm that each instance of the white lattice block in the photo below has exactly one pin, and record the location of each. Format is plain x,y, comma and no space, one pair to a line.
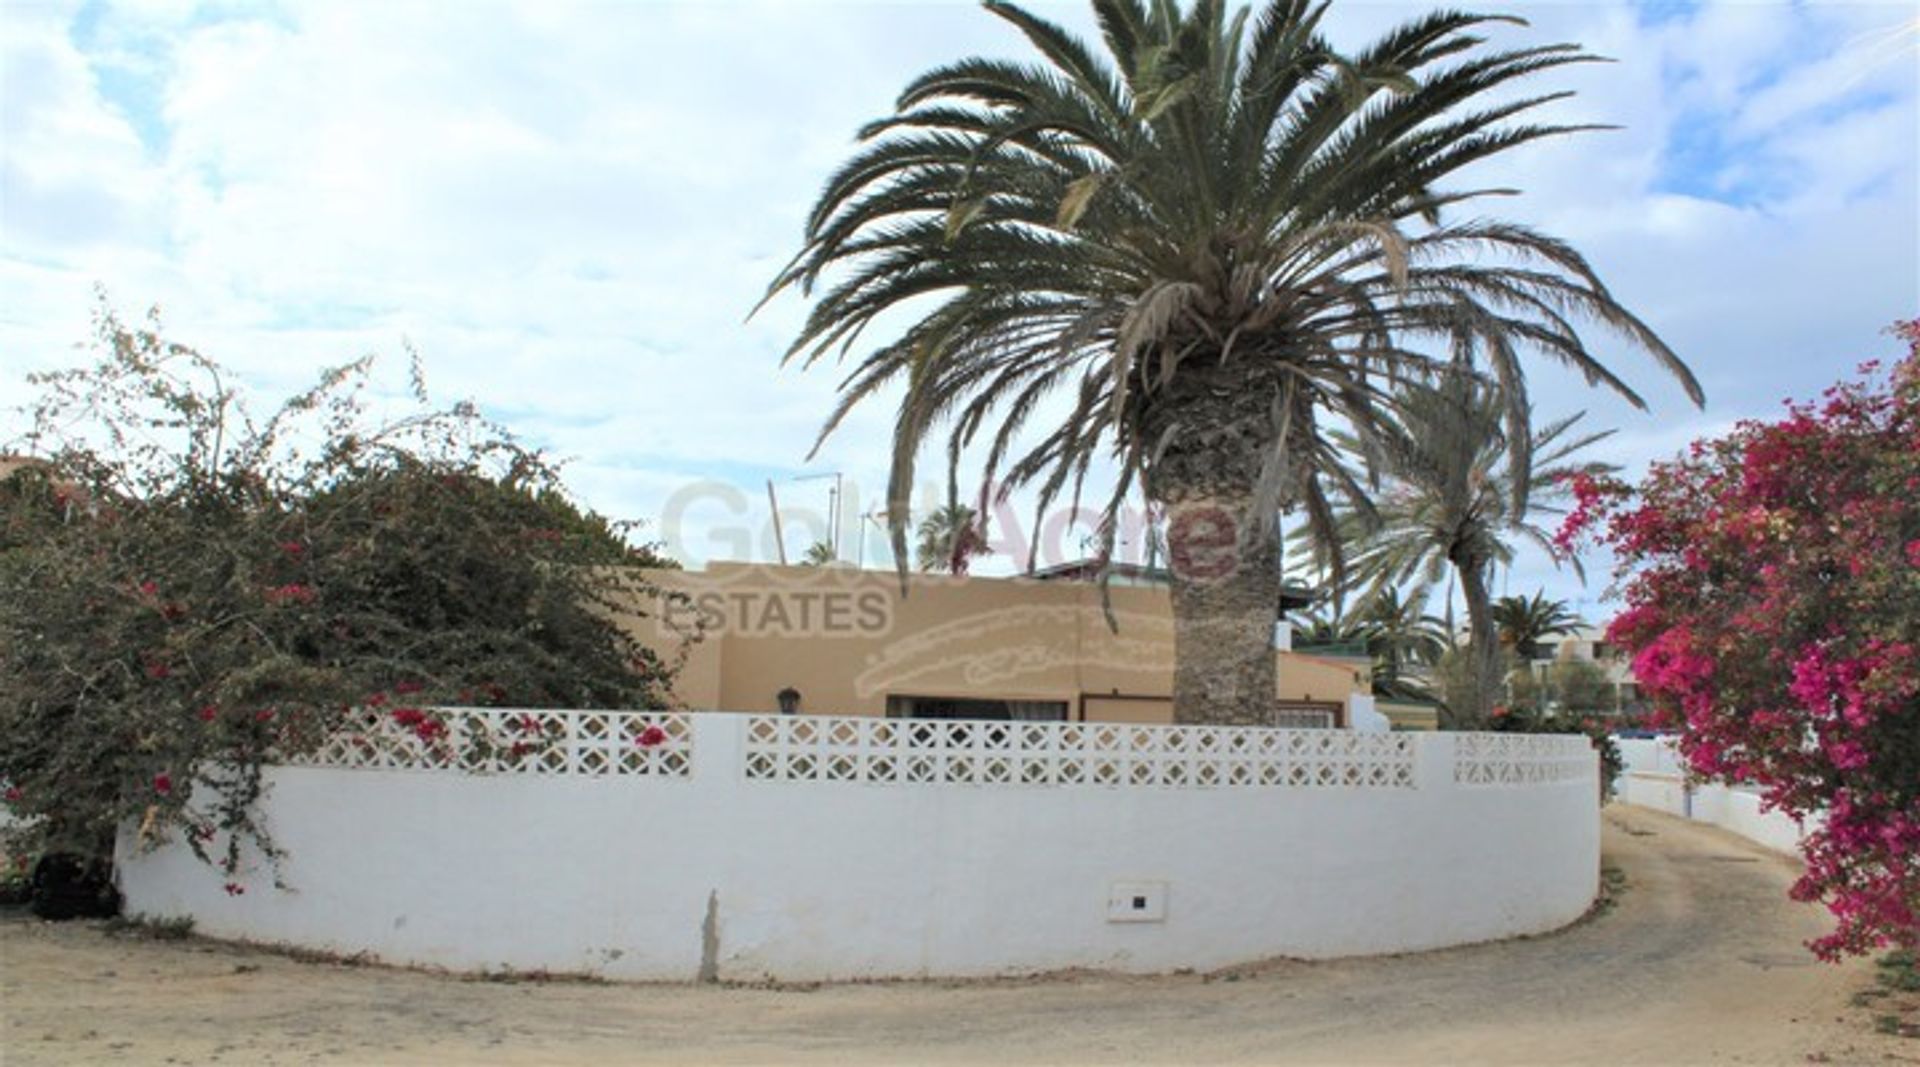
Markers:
1522,759
510,741
917,752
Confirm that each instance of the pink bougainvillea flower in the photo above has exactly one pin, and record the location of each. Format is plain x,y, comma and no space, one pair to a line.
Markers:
651,737
1769,580
423,724
291,593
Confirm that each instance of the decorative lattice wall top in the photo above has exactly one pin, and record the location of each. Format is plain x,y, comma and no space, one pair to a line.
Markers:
1523,759
906,751
511,741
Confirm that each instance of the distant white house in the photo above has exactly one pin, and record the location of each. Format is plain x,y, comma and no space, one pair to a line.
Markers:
1589,644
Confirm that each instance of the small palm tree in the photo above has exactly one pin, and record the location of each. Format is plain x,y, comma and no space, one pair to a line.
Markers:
1459,496
1324,627
1207,240
1395,632
1405,637
819,554
949,540
1523,621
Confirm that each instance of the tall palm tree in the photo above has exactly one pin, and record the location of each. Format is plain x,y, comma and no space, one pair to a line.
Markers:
1207,240
950,539
1523,622
1460,495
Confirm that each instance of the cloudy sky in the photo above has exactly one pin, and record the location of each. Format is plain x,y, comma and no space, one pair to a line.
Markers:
569,208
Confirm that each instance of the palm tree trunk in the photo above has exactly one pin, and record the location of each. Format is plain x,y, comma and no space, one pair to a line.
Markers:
1483,647
1226,601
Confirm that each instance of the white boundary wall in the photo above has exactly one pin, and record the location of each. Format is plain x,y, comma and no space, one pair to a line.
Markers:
744,847
1654,778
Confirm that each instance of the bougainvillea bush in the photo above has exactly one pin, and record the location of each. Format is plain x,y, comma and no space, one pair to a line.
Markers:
1772,587
188,593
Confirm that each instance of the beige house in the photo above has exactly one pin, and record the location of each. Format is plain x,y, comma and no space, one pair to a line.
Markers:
845,641
1589,644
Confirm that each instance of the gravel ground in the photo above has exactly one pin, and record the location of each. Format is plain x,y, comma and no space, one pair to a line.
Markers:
1699,960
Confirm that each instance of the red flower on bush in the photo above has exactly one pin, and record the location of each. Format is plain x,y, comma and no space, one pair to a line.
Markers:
292,548
234,889
13,794
424,725
407,687
650,737
209,713
162,784
291,593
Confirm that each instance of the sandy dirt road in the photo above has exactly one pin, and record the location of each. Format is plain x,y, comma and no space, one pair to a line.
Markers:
1699,962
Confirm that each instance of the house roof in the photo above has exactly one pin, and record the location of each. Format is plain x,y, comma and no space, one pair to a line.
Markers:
1293,595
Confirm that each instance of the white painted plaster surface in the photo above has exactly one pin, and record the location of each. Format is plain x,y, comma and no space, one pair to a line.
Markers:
613,875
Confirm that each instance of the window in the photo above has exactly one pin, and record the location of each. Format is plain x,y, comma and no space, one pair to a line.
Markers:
916,707
1306,716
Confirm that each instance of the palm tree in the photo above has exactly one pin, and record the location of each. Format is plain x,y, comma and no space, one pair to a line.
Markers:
1394,632
1405,636
1207,241
819,554
1318,628
1459,496
949,540
1522,622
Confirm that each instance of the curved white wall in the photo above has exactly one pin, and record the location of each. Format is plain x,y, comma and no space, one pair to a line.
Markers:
758,852
1653,776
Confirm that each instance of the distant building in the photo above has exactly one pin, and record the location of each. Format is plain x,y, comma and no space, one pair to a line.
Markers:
1044,647
1589,644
